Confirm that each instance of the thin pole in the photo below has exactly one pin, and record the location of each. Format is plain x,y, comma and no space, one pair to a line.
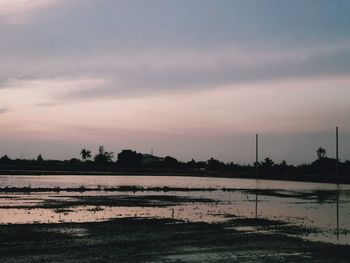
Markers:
337,151
256,153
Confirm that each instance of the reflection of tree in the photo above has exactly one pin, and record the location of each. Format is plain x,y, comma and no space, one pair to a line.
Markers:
325,196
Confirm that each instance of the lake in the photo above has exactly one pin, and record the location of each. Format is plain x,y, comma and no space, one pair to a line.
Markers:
322,209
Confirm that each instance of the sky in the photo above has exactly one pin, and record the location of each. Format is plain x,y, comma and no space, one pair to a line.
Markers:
186,78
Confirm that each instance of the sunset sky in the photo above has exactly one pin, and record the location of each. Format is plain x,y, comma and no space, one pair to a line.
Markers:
187,78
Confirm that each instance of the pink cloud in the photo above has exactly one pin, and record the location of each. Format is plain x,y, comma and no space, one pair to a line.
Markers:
20,11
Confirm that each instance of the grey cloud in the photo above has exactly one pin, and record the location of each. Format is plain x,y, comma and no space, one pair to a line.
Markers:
3,110
137,77
146,81
45,104
89,38
3,81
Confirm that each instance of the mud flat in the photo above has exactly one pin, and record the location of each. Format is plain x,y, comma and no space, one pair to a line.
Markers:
162,240
218,221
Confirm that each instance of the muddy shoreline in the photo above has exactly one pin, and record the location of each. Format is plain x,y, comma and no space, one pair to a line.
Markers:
160,240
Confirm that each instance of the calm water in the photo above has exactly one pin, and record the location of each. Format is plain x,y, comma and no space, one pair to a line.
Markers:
324,208
159,181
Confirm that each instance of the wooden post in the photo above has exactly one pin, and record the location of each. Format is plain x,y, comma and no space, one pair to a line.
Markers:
256,153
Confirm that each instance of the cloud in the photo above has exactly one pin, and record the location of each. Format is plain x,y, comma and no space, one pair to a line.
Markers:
19,11
44,92
180,72
3,110
142,73
134,51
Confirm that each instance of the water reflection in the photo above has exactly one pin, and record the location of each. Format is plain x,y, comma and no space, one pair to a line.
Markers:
337,198
65,181
256,204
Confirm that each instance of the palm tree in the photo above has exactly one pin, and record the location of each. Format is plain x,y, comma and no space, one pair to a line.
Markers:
268,163
40,158
85,154
321,153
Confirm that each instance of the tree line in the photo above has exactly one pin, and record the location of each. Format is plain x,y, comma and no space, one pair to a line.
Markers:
131,160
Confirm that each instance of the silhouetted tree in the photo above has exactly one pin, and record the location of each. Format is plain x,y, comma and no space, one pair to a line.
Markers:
201,164
74,161
5,159
283,167
103,157
129,159
234,166
85,154
321,153
267,165
170,162
323,166
192,164
40,159
344,168
214,164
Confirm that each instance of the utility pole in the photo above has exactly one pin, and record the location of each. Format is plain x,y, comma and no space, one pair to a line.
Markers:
256,171
256,153
337,173
337,151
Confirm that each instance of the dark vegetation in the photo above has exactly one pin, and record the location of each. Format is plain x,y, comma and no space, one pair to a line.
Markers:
126,188
131,162
114,201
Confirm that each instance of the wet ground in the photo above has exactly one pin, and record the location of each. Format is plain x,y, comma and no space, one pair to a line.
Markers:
212,222
325,212
162,240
